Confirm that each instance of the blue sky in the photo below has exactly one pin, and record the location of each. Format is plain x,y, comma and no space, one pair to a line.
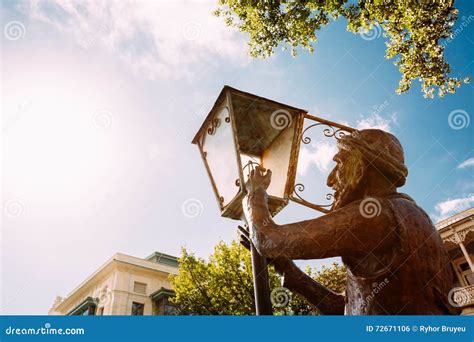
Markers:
100,102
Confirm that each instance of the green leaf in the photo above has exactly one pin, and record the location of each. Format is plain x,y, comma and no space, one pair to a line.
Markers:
415,32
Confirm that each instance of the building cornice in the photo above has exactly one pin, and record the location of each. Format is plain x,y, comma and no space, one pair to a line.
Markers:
162,292
464,216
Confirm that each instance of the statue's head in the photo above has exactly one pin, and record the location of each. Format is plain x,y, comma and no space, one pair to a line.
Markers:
369,162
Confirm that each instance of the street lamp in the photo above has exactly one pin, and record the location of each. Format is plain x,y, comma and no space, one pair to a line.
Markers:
243,131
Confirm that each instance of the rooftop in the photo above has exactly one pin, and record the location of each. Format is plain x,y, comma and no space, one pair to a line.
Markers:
455,218
162,258
157,262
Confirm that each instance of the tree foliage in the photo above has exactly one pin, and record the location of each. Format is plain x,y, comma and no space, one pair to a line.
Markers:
415,31
223,285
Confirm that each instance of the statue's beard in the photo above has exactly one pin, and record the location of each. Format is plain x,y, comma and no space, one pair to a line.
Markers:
348,181
343,197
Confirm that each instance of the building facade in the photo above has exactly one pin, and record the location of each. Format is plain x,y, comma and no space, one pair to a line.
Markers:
457,233
124,285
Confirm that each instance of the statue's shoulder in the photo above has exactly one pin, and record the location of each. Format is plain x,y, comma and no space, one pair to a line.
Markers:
401,197
403,201
404,207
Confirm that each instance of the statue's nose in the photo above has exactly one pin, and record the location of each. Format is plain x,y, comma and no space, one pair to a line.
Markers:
331,178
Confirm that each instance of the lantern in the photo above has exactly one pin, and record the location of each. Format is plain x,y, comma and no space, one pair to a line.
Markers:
242,131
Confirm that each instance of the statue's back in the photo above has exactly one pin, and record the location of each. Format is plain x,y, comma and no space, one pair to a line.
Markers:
416,276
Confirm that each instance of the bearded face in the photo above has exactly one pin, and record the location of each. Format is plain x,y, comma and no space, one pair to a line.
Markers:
346,176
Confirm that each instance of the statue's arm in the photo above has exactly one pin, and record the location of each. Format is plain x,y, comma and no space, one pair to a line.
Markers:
344,232
327,301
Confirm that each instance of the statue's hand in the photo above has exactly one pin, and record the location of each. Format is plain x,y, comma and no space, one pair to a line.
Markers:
259,179
281,264
244,235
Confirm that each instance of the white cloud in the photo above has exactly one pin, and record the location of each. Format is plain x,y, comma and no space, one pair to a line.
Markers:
156,39
467,163
320,154
374,120
394,118
452,206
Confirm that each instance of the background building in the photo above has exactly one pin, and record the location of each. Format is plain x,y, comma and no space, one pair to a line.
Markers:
457,233
124,285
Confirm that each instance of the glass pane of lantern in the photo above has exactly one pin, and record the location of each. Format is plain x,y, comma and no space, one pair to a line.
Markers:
266,132
221,156
277,158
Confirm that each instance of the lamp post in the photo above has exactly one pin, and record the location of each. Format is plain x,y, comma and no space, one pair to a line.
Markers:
242,131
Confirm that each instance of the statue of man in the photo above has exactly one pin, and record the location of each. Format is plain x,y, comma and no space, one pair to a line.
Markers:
396,262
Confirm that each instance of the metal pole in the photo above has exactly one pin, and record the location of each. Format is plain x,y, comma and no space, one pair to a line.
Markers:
263,305
261,285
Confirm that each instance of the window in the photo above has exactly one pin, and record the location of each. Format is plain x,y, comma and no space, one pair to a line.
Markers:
162,306
469,278
139,288
170,309
86,308
466,273
137,309
464,266
89,311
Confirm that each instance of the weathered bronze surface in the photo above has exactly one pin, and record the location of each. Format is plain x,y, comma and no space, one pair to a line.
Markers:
395,259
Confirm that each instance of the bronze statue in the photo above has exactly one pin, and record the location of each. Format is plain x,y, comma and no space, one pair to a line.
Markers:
396,262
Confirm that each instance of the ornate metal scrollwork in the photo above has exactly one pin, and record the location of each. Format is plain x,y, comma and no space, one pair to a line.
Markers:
299,187
330,197
216,122
329,132
250,165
